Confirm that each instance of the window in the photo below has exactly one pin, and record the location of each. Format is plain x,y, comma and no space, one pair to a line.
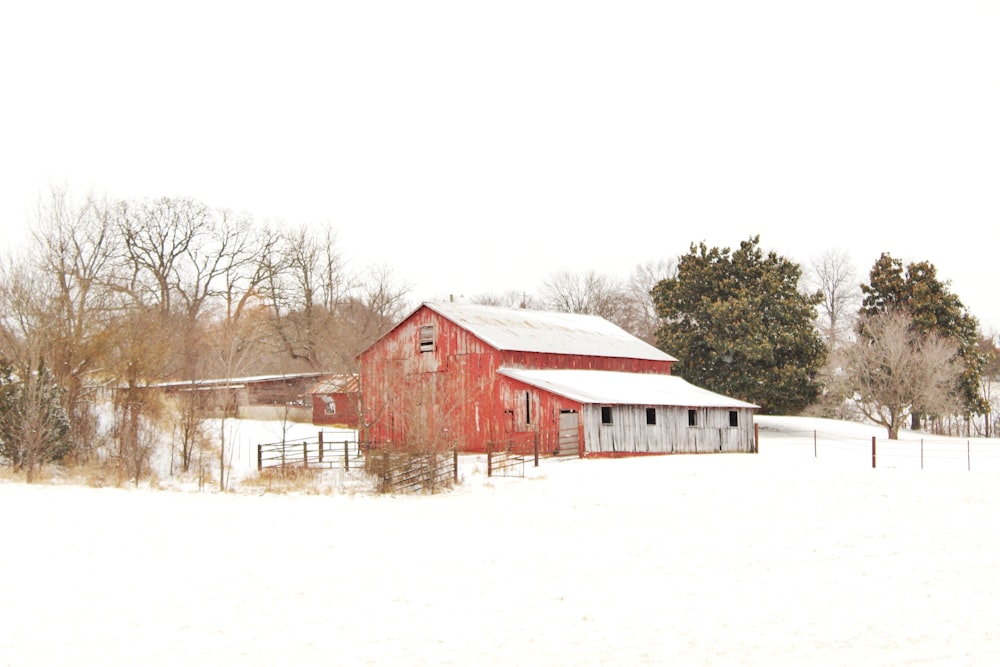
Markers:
734,418
527,407
651,416
427,338
329,406
692,417
606,414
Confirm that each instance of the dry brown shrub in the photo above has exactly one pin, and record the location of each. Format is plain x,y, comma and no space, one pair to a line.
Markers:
288,480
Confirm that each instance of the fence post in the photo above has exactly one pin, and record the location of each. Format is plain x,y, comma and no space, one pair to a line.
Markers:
815,453
921,453
536,449
489,459
260,458
386,472
347,460
873,452
305,453
454,454
968,455
320,441
756,439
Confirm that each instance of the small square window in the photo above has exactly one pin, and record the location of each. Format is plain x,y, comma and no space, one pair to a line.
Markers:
692,417
427,338
734,418
606,414
651,416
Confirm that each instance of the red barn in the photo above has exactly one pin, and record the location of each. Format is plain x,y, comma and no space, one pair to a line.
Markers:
470,376
335,401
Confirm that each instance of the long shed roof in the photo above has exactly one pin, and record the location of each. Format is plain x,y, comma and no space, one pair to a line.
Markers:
524,330
617,388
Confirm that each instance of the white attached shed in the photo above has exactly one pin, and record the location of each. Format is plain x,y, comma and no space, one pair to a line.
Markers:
624,414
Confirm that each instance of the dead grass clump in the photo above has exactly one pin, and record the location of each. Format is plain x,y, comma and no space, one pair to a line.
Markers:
289,480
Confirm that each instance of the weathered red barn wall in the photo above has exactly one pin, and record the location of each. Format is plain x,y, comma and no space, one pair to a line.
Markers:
453,394
444,394
534,415
541,360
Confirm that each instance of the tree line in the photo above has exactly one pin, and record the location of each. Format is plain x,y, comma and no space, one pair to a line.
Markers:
112,295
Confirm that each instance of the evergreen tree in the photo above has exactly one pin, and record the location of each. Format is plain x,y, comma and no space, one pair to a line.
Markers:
740,326
34,427
933,309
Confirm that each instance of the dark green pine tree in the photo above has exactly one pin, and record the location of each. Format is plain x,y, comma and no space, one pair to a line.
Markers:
34,427
934,308
739,325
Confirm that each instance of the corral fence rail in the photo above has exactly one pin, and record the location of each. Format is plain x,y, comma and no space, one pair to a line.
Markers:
507,456
503,460
397,468
924,453
318,452
409,471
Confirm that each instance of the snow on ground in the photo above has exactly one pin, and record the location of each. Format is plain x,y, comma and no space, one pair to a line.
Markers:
779,558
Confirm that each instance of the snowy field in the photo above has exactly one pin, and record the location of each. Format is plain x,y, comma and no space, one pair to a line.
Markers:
800,555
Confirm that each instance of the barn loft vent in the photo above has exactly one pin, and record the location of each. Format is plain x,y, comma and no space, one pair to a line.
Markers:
427,338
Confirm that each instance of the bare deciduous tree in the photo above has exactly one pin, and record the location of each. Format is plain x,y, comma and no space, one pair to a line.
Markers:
508,299
643,321
628,304
588,293
892,370
833,275
71,262
160,243
306,284
377,302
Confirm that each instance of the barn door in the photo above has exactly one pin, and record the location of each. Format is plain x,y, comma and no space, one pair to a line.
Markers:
569,433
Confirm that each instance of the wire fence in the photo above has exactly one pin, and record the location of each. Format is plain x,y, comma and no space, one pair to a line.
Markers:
911,452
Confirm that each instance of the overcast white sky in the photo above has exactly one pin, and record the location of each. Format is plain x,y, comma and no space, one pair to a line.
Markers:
481,146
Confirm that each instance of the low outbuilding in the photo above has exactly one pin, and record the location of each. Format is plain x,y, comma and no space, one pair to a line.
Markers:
335,401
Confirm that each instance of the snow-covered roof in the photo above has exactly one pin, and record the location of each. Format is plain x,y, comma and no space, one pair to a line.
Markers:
236,382
338,384
541,331
616,388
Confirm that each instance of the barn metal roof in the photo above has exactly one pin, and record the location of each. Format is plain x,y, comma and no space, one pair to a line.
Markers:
337,384
616,388
523,330
235,382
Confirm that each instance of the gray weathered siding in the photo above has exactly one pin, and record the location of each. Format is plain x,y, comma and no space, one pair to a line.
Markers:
630,434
